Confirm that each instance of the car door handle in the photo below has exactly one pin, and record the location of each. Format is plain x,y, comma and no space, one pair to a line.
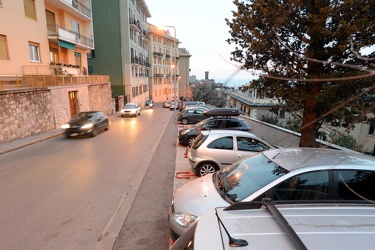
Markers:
239,156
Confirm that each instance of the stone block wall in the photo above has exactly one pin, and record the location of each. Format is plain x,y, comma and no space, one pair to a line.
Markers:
25,113
32,111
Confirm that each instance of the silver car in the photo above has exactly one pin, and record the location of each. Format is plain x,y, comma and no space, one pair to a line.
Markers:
289,226
291,174
216,149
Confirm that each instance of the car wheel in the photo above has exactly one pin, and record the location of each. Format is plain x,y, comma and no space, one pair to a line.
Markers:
207,168
190,140
184,121
106,127
94,132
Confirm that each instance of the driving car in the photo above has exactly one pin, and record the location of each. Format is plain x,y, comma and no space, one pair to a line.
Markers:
272,225
216,149
193,115
280,174
131,109
150,103
186,136
86,123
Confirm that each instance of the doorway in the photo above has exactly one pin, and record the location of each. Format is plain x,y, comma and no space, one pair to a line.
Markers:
73,102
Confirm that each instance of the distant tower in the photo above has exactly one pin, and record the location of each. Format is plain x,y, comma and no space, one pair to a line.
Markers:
206,75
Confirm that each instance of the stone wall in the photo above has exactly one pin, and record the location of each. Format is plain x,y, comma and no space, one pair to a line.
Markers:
32,111
25,113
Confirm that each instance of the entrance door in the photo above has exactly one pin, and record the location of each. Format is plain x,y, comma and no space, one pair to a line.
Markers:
73,95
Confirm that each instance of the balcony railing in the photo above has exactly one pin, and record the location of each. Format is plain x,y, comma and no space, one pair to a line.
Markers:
157,54
40,81
139,61
70,36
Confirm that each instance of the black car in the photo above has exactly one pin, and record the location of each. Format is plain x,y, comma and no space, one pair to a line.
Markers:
86,123
187,136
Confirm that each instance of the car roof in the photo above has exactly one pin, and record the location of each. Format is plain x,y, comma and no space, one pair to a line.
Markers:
228,132
294,158
318,226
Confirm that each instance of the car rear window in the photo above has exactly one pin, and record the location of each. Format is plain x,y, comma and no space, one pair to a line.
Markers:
356,184
198,141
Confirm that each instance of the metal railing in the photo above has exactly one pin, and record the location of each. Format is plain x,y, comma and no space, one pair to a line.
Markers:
41,81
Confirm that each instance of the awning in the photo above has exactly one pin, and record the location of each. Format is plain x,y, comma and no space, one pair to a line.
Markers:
67,45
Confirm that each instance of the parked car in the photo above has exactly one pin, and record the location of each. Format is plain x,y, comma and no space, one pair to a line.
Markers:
186,136
282,226
191,115
131,109
86,123
192,103
280,174
216,149
174,104
166,104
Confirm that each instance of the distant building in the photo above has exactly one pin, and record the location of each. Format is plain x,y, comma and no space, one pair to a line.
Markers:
164,75
184,79
122,47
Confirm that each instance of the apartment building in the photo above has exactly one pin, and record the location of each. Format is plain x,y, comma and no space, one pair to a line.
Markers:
122,47
184,70
44,37
164,75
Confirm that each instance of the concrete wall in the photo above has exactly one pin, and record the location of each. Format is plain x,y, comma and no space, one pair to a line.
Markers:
32,111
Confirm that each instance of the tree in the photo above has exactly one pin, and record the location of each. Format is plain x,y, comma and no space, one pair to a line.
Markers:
206,93
307,54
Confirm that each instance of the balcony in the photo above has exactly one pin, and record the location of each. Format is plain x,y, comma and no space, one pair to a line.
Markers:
74,7
139,61
135,25
158,75
56,33
158,54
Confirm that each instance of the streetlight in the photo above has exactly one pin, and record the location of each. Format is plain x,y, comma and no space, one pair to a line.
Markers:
174,75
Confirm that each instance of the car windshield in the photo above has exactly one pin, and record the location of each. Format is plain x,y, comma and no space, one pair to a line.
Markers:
243,178
83,116
130,106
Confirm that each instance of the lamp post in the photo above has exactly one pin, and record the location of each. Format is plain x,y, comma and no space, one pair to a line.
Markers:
174,75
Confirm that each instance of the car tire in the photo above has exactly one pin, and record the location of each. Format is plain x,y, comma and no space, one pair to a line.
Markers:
185,121
106,127
190,140
206,168
94,132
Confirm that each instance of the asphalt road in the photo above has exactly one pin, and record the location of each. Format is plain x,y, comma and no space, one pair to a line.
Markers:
107,192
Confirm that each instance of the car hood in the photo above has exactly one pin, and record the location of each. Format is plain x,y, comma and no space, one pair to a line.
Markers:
79,122
196,196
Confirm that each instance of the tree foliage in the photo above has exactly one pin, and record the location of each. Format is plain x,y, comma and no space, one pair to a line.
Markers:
307,55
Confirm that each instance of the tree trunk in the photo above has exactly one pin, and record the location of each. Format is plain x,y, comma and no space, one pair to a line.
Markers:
309,123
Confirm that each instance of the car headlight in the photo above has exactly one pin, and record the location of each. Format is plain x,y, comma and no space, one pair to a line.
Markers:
65,126
88,125
184,219
185,132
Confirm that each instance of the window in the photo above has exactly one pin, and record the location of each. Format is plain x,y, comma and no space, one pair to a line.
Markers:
29,6
3,48
250,144
222,143
34,52
232,124
308,186
77,58
356,184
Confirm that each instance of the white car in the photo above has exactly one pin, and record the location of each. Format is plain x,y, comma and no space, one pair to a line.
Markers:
131,109
213,150
289,226
280,174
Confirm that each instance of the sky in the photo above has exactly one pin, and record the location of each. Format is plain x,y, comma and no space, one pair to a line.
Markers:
201,29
